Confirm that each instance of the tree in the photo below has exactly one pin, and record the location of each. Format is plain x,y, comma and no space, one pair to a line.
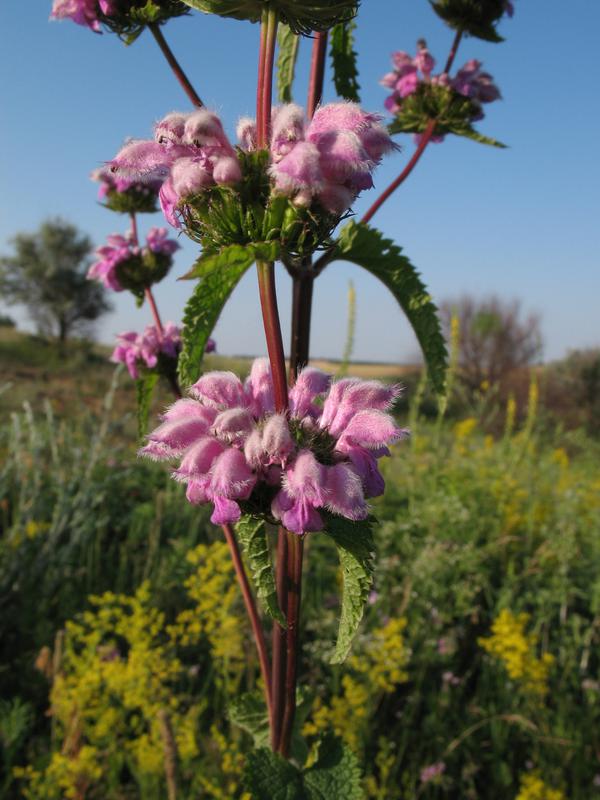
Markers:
47,275
494,338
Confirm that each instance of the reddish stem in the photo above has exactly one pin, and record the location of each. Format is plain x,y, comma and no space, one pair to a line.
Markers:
278,642
453,51
270,314
175,66
252,611
317,72
154,309
294,586
260,136
267,89
424,141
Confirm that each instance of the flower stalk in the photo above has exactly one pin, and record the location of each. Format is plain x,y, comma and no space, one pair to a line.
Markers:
183,79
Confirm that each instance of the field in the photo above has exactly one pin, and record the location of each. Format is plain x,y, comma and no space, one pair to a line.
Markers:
123,641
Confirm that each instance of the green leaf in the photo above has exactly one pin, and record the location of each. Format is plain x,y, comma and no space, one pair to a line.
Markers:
234,255
470,133
288,43
268,776
367,247
343,61
252,533
249,713
336,774
201,314
144,387
355,546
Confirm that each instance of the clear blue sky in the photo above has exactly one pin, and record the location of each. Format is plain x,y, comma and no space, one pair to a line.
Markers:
522,222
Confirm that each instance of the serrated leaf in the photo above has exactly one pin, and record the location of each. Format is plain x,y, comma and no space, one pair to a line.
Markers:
200,316
343,61
354,541
249,713
144,387
336,774
268,776
288,43
471,133
252,534
234,255
367,247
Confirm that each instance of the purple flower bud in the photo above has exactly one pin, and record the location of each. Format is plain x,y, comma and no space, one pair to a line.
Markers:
310,383
83,12
145,160
158,242
300,169
258,388
335,198
345,494
219,390
424,61
227,171
253,450
344,160
190,176
170,129
169,200
277,441
407,84
369,429
199,458
287,130
233,425
203,128
246,134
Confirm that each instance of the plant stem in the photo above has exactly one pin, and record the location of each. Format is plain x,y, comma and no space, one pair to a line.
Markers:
266,59
154,310
294,586
270,314
175,66
302,294
252,611
425,138
453,51
317,72
278,642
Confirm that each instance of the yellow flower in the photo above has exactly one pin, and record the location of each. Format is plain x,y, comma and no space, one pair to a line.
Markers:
533,788
517,651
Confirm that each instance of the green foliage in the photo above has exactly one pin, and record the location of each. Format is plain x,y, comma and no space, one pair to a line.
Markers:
336,773
135,200
452,112
368,248
343,61
301,17
288,44
48,275
252,534
248,712
235,255
129,24
334,776
354,541
201,314
475,17
144,387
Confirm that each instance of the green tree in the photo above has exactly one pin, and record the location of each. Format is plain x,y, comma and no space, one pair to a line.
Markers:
47,275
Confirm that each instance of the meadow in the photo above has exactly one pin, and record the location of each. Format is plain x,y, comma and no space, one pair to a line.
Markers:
124,643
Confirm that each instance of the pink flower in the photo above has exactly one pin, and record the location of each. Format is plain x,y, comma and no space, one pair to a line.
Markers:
471,82
134,349
117,249
157,241
432,772
83,12
322,457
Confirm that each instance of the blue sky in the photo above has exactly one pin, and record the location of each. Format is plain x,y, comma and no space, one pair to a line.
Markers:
522,222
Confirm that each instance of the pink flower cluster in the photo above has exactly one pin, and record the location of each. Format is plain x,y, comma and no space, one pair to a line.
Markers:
232,446
134,348
83,12
121,248
111,183
432,772
189,154
410,73
331,159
